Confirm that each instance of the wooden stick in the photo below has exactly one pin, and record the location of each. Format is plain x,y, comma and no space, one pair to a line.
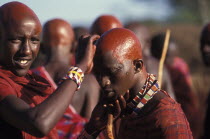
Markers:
165,48
110,125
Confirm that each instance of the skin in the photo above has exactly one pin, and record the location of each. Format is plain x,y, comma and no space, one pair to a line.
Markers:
58,38
87,97
151,63
78,32
122,68
18,34
104,23
205,45
122,63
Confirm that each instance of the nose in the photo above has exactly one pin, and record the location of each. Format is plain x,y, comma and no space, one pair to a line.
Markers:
106,81
25,48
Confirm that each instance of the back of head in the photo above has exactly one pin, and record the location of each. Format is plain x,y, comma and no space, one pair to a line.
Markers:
104,23
121,42
157,43
57,32
79,31
142,34
205,34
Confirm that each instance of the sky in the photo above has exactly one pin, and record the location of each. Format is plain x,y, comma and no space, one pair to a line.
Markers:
84,12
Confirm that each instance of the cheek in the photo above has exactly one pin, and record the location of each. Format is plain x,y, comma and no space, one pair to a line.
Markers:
123,83
35,49
10,50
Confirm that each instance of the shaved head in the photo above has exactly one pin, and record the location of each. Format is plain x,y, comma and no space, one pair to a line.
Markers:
121,42
118,62
104,23
15,13
141,32
57,32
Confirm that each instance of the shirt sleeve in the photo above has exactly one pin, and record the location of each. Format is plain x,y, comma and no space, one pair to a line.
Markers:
6,89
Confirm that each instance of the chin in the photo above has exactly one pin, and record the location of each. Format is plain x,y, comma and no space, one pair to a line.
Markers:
21,72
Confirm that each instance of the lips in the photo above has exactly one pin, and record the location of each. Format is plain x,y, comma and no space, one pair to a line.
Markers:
22,62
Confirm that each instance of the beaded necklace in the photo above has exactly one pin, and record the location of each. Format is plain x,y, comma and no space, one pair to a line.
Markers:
146,93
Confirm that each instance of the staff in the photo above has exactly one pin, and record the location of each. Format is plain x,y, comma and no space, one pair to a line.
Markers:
165,48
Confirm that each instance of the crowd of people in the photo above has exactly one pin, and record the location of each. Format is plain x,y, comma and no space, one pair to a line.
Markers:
60,82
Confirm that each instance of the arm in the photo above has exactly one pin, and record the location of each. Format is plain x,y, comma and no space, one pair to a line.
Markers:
38,121
92,95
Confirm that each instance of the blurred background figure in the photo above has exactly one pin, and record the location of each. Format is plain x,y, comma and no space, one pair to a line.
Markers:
205,52
104,23
152,64
181,79
58,40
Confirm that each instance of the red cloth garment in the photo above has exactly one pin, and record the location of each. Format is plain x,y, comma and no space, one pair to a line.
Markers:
182,84
41,71
32,89
164,120
71,124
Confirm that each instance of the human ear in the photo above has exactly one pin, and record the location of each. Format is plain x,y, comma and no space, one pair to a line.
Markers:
138,65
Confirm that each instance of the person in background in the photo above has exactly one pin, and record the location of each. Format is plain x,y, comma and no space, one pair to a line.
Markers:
57,42
104,23
181,79
205,53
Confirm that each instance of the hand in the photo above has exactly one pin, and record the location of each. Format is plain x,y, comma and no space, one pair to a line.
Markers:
99,117
85,52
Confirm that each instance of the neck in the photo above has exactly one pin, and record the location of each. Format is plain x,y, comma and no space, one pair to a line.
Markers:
140,80
57,69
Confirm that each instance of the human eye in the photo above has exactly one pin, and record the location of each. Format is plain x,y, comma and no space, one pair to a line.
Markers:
15,40
116,70
35,40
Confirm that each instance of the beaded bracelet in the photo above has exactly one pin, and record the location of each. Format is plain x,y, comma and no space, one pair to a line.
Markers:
75,74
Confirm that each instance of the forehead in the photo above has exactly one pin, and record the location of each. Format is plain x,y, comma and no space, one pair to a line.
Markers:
26,27
108,61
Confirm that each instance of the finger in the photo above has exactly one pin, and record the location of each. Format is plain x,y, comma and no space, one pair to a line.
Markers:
85,36
90,68
127,95
93,38
122,102
117,109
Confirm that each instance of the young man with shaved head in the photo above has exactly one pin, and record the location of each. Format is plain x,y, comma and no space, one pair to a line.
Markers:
29,108
150,111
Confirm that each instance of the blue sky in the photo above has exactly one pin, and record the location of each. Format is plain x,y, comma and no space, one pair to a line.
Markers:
83,12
